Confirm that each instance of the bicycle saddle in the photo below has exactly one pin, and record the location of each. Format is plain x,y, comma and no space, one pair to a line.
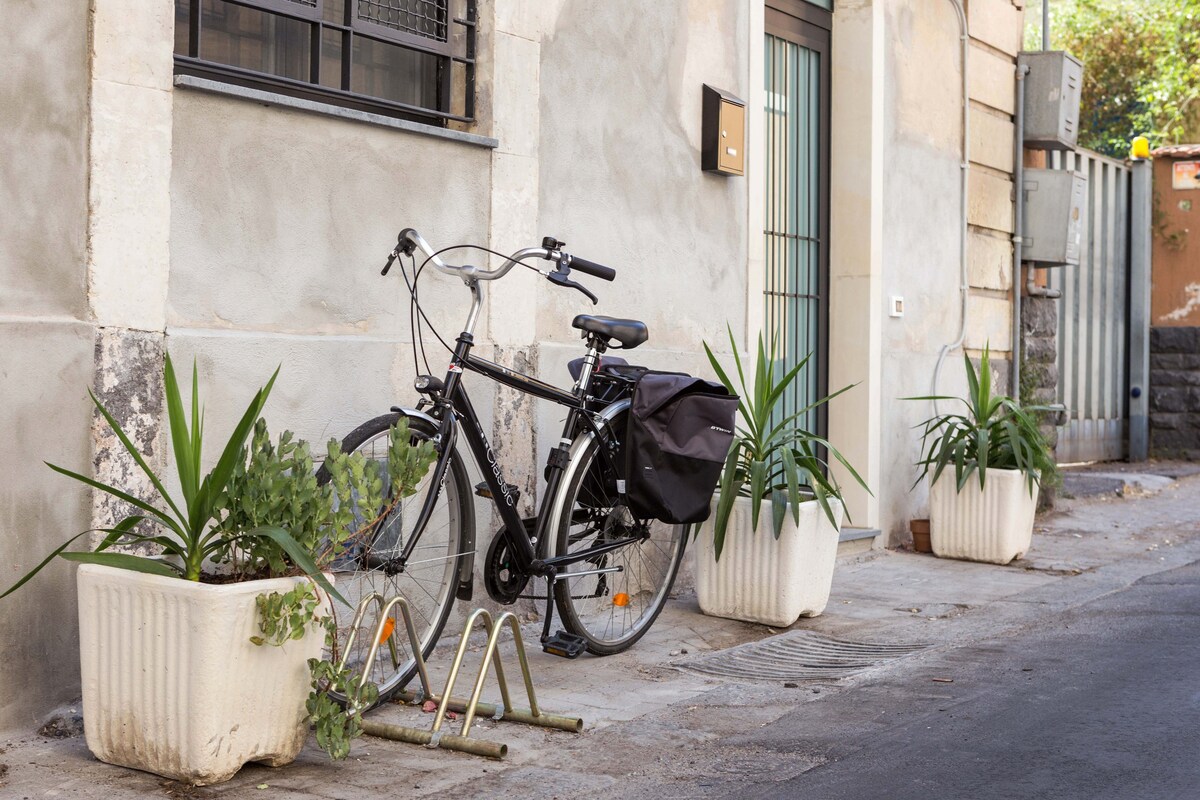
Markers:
629,332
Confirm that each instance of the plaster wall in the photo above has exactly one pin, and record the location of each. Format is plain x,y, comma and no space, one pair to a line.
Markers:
620,176
1175,294
922,212
46,361
280,223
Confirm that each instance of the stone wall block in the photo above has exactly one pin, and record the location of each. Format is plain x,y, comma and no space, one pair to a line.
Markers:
1165,361
1039,316
1041,350
1169,398
128,383
1175,340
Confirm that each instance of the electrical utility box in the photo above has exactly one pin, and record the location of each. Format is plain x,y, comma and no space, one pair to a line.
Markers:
1052,91
1055,209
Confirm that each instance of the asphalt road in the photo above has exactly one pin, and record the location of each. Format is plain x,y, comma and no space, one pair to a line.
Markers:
1103,702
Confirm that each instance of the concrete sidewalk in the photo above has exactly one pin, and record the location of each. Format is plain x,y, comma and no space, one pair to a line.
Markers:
643,710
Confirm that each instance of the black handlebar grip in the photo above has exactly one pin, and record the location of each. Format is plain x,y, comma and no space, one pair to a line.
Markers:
592,268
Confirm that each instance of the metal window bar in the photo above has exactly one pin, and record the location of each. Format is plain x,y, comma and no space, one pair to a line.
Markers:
793,246
362,19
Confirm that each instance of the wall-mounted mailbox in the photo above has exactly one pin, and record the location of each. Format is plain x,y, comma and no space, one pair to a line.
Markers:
723,148
1055,205
1052,92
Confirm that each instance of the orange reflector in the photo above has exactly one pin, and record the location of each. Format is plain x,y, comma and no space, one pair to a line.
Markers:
388,626
620,599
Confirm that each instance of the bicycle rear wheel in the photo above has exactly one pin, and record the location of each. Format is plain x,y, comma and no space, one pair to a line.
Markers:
427,582
612,610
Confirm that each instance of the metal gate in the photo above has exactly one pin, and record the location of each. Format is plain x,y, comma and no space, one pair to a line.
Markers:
1093,316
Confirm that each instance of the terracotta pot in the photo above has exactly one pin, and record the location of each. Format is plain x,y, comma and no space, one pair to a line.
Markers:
920,535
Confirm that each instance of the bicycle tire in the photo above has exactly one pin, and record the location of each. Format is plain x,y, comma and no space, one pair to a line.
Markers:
429,587
589,511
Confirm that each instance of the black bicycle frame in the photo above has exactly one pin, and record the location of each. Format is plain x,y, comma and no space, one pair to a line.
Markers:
455,408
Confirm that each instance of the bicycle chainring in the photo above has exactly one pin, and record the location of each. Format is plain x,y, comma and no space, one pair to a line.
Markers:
503,581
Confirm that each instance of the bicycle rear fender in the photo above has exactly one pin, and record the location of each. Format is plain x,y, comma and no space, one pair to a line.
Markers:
466,563
609,413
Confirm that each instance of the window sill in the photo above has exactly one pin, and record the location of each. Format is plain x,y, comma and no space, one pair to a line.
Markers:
273,99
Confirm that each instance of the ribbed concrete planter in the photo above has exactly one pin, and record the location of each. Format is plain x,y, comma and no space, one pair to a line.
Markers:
172,684
763,579
993,525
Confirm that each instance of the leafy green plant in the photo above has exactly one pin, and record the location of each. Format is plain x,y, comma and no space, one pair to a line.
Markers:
275,485
995,432
185,533
292,615
775,460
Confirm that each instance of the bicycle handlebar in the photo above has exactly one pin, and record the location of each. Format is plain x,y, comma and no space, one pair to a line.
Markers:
410,240
592,268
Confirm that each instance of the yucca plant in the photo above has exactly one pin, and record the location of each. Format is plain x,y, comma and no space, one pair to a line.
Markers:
185,533
994,432
777,461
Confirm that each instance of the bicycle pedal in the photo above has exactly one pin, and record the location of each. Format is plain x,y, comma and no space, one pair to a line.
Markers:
564,644
483,490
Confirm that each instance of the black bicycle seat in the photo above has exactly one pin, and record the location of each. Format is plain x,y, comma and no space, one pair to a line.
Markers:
629,332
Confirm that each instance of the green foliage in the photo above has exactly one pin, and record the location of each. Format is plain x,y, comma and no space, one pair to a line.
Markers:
996,432
777,461
185,533
1141,68
285,617
276,486
336,726
290,616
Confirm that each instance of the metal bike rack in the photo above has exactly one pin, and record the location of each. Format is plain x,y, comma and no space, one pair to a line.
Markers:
435,737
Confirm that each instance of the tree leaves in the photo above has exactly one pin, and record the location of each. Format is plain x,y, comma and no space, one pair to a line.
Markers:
1141,69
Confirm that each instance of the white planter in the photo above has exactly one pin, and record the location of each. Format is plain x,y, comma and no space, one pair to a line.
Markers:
763,579
172,684
993,525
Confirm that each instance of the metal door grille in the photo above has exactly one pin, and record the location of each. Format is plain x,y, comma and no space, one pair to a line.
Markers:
1093,316
796,209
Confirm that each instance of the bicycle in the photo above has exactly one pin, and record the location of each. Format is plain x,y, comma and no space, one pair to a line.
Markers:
607,572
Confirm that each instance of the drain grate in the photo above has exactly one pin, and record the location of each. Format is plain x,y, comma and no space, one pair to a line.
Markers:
796,656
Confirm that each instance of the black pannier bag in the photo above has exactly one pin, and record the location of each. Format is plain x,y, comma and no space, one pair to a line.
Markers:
679,432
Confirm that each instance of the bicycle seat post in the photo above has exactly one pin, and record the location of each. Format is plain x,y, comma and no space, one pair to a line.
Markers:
591,361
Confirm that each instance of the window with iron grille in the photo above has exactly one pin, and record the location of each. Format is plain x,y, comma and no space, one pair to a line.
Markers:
411,59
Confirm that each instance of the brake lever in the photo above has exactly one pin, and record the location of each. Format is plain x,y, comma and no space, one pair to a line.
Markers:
562,279
391,259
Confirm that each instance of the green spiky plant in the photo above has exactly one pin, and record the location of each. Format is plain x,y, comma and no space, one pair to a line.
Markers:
184,532
775,461
994,432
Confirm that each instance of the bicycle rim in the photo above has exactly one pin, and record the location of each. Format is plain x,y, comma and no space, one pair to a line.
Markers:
615,609
428,582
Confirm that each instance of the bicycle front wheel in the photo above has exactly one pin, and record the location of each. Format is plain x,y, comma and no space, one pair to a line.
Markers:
367,567
614,608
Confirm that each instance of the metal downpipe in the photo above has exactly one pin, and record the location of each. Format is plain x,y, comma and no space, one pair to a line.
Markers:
965,286
1018,228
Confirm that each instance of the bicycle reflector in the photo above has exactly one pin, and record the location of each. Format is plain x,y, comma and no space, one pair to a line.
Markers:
620,599
389,625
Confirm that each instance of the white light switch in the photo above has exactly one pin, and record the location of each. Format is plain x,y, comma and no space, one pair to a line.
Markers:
896,307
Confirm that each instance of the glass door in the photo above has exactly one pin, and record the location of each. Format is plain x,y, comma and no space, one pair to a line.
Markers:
796,78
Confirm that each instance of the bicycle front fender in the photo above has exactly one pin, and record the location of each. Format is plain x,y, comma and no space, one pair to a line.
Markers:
465,577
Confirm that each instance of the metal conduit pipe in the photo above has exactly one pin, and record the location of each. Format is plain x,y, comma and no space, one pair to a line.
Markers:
965,285
1018,227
